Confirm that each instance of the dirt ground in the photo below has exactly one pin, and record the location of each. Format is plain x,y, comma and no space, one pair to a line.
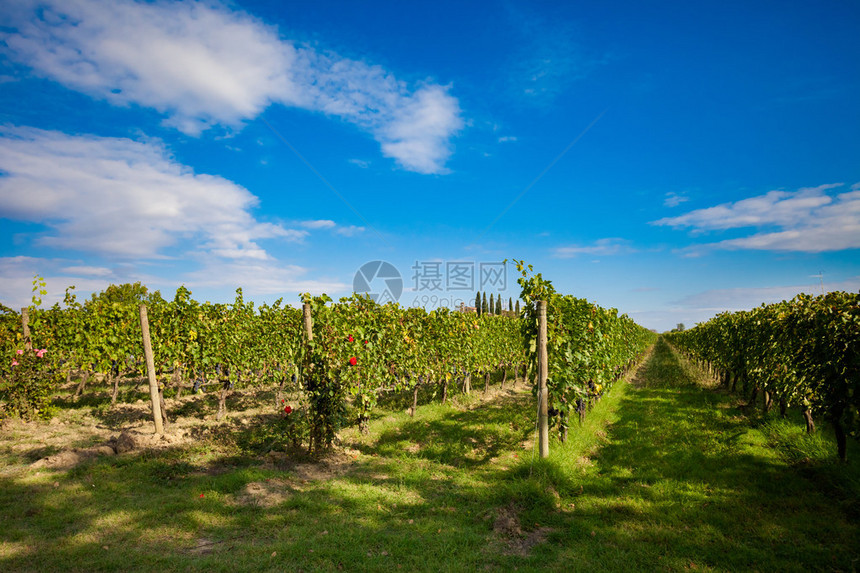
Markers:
89,426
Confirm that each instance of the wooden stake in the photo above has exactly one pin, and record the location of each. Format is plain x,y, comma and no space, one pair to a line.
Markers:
308,321
25,324
543,374
150,371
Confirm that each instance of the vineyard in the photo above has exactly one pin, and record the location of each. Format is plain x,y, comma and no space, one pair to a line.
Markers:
328,362
340,435
803,353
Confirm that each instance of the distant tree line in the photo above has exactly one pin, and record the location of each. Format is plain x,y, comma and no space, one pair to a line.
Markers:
494,304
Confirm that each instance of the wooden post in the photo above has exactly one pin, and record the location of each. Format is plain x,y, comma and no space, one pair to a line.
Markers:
307,320
25,324
150,370
316,432
543,374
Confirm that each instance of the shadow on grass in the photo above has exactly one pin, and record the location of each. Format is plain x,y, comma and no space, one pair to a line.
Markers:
679,482
459,438
691,478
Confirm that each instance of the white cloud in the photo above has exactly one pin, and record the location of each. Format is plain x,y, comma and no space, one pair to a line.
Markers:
124,198
263,278
417,134
203,64
745,298
808,220
612,246
16,278
215,280
87,271
327,224
507,138
702,306
673,199
350,231
319,224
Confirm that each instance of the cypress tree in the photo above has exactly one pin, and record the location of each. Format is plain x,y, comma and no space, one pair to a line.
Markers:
492,305
518,308
498,304
511,304
484,306
478,302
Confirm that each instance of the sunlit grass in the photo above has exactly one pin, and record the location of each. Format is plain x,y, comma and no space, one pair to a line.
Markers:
663,475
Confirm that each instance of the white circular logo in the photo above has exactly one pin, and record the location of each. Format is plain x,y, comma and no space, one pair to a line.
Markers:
380,280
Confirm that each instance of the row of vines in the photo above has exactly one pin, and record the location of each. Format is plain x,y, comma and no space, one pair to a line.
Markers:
357,350
588,347
802,353
328,369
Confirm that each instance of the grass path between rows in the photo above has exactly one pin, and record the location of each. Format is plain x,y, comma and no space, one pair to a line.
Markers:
666,473
685,481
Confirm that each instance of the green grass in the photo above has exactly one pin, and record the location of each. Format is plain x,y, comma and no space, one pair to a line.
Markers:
665,474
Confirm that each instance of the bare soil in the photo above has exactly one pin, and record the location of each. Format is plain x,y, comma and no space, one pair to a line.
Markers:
88,426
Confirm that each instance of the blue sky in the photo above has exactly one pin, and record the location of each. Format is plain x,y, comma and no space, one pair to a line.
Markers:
672,160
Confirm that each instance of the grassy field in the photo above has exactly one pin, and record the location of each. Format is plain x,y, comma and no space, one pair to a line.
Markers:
666,474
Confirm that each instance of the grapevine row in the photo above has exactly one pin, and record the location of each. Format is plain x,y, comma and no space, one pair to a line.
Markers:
353,350
802,353
588,347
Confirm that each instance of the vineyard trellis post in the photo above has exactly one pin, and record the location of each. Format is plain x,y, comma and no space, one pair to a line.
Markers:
150,371
543,373
307,321
25,326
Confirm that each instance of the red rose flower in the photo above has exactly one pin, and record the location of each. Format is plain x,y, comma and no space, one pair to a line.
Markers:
353,361
350,338
365,342
288,410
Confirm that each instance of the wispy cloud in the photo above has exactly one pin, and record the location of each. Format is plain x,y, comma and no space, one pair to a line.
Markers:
319,224
216,277
702,306
611,246
124,198
262,278
673,199
89,271
745,298
350,231
328,225
507,139
204,64
808,220
16,276
550,57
